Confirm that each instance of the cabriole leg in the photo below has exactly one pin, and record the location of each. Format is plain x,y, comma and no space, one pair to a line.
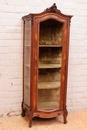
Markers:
30,119
65,116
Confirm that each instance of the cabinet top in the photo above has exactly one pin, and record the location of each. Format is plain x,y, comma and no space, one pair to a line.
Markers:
51,10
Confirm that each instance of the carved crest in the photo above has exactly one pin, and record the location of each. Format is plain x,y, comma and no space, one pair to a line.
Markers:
53,9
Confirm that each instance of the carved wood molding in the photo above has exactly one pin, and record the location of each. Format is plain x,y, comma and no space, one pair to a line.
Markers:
53,9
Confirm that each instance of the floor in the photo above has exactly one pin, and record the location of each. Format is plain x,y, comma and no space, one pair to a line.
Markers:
76,121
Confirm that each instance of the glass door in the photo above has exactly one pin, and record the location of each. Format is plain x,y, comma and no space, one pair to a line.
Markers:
49,64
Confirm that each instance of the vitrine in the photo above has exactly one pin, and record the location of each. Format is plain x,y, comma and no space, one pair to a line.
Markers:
45,63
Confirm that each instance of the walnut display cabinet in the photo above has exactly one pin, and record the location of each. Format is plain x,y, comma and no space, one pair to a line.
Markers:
45,64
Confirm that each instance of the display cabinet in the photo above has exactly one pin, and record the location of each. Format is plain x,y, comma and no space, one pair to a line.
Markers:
45,64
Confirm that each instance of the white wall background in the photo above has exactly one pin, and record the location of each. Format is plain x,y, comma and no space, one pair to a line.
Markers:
11,12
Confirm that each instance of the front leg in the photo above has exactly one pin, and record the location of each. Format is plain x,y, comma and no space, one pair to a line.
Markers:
30,118
65,116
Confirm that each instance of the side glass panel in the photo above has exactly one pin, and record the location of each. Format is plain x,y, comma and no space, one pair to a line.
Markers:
27,55
49,64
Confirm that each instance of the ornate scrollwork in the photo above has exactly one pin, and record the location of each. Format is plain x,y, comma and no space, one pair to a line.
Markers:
53,9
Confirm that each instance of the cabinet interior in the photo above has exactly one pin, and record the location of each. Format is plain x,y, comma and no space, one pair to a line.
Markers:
51,32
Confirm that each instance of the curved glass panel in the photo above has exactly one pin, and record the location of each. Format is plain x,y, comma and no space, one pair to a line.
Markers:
27,50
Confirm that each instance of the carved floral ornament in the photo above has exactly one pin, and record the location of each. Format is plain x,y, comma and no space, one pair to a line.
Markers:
53,9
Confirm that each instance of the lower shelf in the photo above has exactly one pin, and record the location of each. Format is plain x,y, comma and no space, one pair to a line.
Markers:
48,105
48,85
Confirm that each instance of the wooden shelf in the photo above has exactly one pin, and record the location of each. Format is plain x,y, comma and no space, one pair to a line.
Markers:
48,85
48,105
43,66
50,45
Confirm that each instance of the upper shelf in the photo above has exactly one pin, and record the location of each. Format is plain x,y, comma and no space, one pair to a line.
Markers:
46,45
43,66
50,45
46,66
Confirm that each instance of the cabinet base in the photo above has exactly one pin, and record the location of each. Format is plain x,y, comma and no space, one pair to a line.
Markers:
42,114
